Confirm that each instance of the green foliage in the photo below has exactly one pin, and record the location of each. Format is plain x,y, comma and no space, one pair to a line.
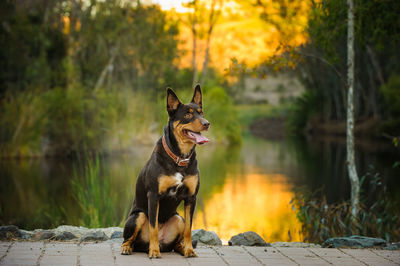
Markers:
73,120
383,31
100,43
223,117
248,113
321,220
77,119
322,65
301,110
327,25
32,48
87,77
95,197
22,121
391,94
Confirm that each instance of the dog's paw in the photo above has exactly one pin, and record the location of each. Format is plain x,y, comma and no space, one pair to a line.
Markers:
126,249
154,253
189,252
179,248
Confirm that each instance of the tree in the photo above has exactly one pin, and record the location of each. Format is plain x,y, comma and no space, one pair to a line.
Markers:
193,20
199,29
214,14
354,181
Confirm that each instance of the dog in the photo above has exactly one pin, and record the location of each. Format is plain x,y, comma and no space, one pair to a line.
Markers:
169,176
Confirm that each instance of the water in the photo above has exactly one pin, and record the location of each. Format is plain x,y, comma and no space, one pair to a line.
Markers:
242,189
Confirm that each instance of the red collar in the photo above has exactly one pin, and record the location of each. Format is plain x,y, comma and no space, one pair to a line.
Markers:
178,160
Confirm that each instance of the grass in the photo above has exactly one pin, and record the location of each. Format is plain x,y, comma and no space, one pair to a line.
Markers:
65,122
321,220
94,194
248,113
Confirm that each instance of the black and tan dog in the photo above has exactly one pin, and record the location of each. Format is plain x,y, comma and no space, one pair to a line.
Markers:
170,176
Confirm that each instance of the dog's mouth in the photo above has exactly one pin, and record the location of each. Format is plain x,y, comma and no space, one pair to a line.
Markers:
195,137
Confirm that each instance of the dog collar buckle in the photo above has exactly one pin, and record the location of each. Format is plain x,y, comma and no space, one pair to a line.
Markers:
180,160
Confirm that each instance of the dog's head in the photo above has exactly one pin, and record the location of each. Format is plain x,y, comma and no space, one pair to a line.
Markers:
187,119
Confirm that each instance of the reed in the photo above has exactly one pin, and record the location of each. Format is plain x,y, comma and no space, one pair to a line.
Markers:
93,192
377,216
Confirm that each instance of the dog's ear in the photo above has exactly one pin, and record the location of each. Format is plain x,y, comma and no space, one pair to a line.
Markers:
197,97
172,102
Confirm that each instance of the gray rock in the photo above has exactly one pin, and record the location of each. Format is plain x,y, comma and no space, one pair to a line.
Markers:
206,237
354,242
8,232
391,247
294,245
116,234
78,231
96,235
65,236
44,235
249,238
27,235
109,231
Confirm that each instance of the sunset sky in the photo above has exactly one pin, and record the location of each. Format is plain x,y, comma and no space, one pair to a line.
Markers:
170,4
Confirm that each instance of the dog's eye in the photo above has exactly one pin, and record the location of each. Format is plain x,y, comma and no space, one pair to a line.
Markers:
188,116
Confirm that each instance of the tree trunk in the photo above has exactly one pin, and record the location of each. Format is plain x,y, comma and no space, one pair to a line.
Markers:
194,47
354,181
206,57
212,20
107,69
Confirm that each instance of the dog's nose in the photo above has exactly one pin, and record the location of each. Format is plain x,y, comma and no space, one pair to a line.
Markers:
206,124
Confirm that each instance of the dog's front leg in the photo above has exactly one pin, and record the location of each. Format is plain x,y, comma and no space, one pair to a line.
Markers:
153,205
190,204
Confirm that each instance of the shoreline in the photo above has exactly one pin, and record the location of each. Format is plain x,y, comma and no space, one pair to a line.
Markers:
80,234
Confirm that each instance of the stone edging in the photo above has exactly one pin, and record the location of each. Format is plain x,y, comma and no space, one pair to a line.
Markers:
83,234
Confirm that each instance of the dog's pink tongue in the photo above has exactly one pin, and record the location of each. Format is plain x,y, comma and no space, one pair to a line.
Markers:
200,139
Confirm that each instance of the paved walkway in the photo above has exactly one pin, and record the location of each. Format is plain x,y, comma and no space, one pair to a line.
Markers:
107,253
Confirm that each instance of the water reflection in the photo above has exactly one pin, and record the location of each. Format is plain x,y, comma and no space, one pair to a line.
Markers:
242,189
251,202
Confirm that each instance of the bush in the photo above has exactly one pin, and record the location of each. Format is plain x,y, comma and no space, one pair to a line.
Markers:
301,110
391,94
22,121
70,121
222,116
376,218
80,120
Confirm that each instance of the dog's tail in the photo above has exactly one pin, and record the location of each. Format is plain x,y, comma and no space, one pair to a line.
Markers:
194,243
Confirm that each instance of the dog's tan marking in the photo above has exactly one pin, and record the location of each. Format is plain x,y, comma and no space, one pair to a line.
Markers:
126,248
167,181
154,246
199,110
185,144
187,235
191,110
191,182
171,230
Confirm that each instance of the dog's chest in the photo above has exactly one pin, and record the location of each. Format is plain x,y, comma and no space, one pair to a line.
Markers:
177,184
178,177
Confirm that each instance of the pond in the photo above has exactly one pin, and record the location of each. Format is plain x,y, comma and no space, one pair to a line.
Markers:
247,188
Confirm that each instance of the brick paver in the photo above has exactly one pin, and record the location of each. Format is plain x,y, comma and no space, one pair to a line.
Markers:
107,253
